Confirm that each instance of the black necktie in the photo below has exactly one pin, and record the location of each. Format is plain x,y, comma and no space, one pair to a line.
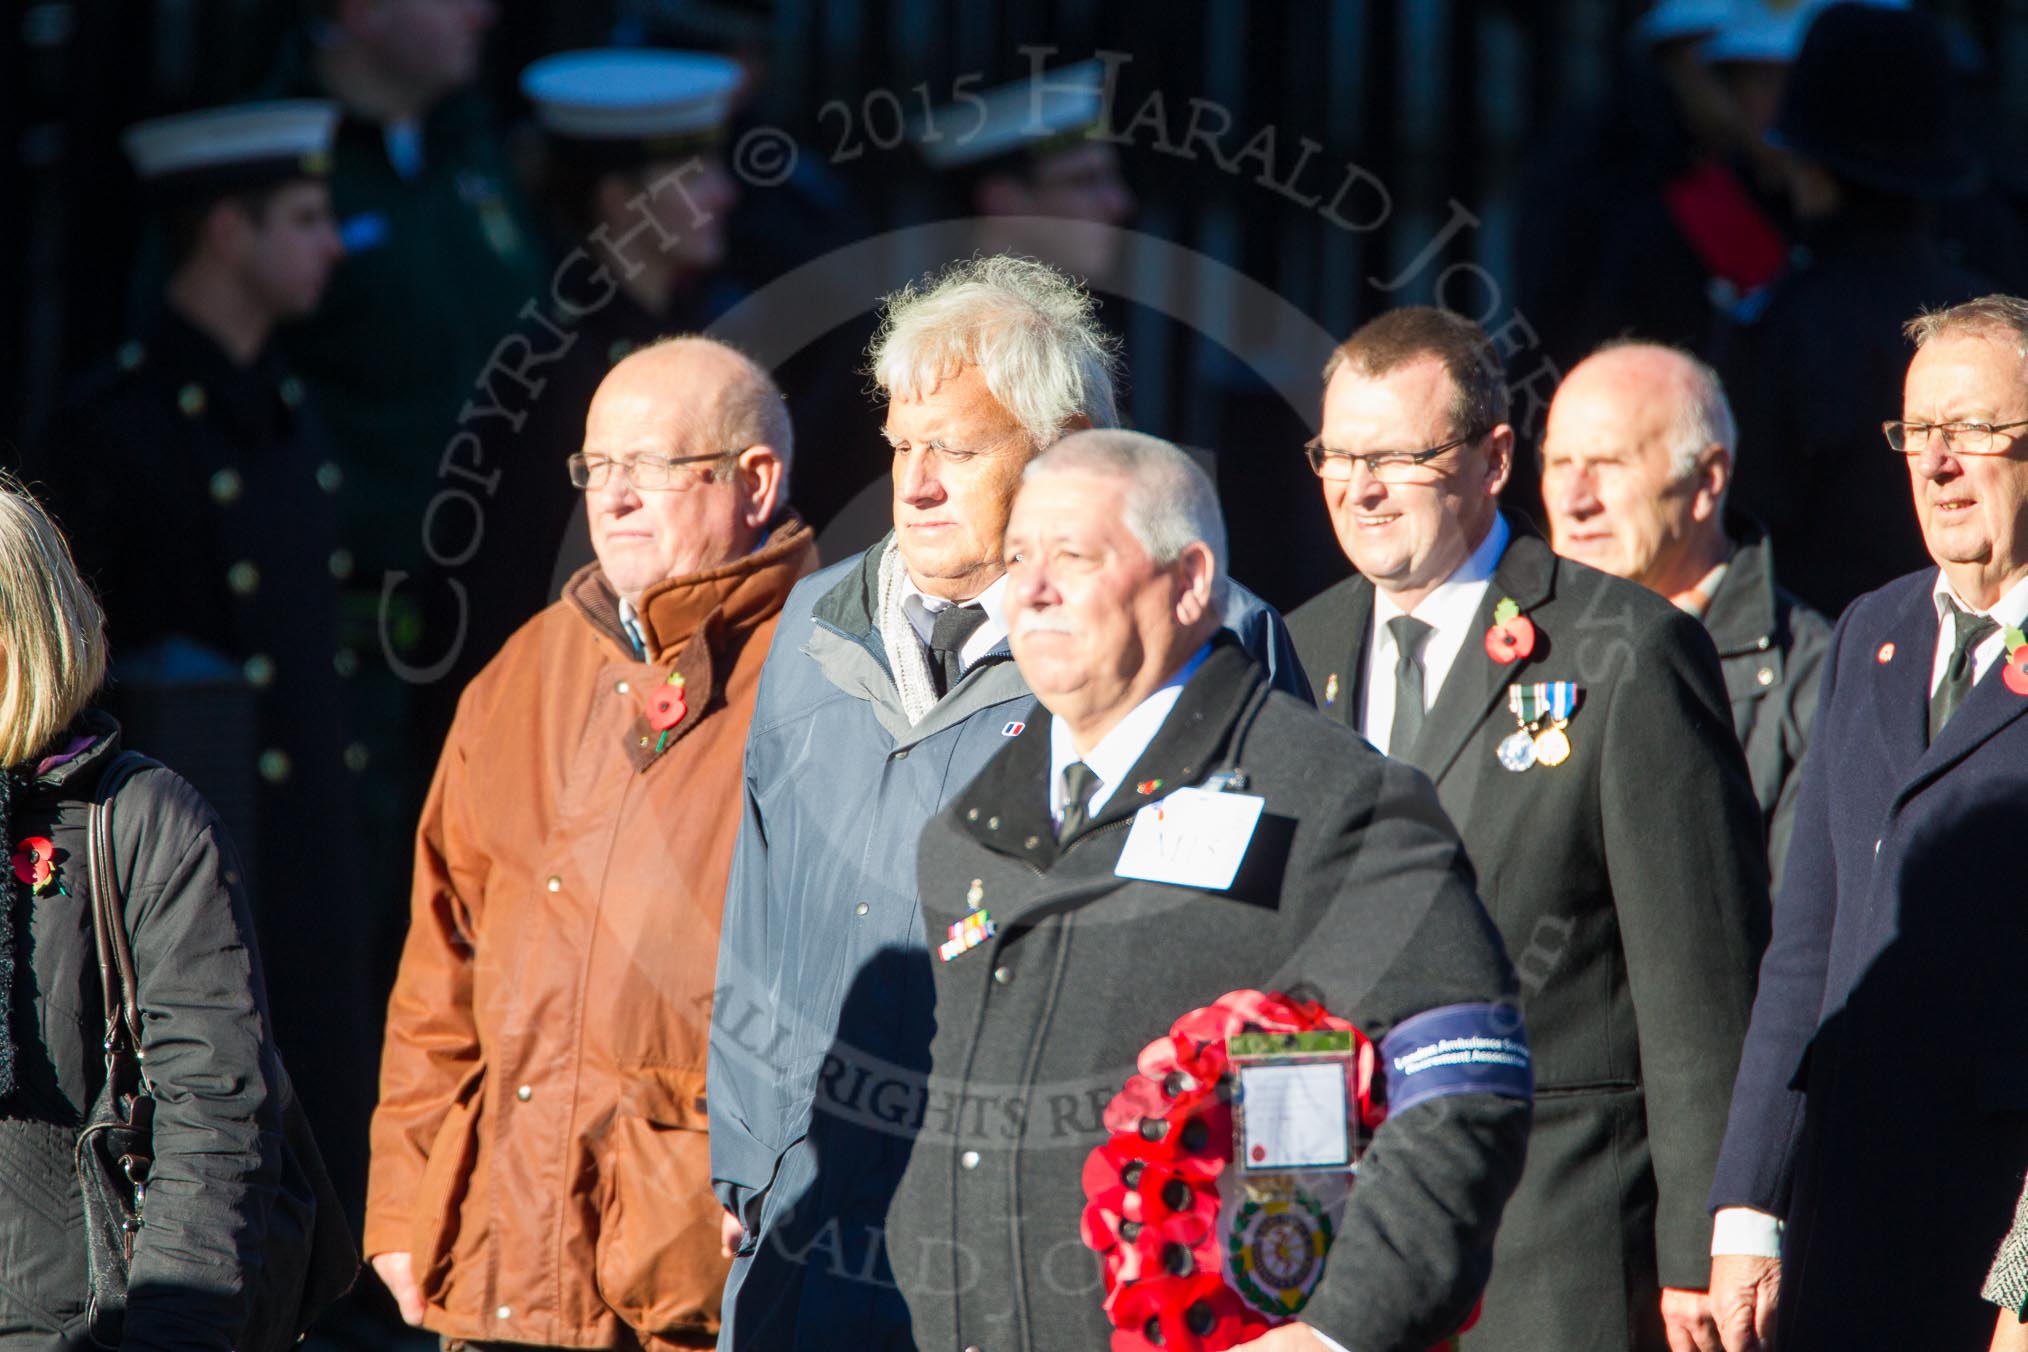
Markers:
1968,631
954,625
1079,784
1409,634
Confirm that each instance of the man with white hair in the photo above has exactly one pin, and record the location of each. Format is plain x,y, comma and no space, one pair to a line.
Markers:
1349,887
1637,459
889,686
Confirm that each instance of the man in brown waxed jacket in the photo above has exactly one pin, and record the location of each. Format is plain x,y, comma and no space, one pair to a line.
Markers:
540,1173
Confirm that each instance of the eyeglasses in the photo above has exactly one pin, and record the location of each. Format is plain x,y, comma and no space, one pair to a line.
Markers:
1389,467
1959,438
645,472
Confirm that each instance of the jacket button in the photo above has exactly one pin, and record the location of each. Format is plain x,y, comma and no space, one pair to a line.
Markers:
329,477
1765,675
1003,975
621,688
274,765
504,1312
345,662
357,757
992,823
244,578
860,909
901,755
226,486
259,671
974,1347
970,1159
525,1093
340,563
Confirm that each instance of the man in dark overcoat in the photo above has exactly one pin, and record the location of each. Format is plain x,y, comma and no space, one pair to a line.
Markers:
1351,887
1577,731
1882,1102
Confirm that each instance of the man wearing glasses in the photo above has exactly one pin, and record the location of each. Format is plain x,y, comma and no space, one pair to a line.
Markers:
540,1173
1576,728
1890,1009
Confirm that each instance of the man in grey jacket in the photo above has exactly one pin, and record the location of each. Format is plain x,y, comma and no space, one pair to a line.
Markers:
888,686
1637,458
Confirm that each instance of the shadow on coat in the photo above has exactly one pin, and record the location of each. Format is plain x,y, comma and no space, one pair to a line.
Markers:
1916,1123
822,1275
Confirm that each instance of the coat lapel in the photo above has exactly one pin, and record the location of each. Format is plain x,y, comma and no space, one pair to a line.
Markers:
1350,696
1903,700
1986,712
1476,683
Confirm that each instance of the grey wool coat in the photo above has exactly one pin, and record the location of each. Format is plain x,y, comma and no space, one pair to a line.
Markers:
822,942
1353,891
1771,649
1630,884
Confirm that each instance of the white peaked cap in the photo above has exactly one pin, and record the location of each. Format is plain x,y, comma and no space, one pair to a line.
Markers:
630,93
292,135
1024,113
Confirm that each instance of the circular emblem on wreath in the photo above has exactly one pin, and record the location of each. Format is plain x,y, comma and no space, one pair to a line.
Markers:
1275,1251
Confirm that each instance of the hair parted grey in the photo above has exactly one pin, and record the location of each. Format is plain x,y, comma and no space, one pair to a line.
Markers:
1170,502
1032,331
1984,316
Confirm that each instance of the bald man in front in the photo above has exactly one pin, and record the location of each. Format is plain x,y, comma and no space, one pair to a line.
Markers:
540,1173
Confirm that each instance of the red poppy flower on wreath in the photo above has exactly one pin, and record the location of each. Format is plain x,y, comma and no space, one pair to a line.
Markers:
35,864
2015,674
1512,636
1153,1207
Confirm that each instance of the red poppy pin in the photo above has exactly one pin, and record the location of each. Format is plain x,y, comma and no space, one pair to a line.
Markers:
35,864
667,708
2016,672
1512,636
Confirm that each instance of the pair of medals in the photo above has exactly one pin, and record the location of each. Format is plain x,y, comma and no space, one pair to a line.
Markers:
1542,712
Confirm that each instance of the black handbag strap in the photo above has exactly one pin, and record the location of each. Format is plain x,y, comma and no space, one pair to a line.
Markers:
118,986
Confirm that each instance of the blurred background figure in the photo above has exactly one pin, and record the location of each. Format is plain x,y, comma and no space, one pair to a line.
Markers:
202,496
1025,164
439,259
635,194
1652,211
1815,369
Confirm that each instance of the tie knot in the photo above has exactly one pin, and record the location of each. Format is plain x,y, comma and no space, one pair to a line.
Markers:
955,624
1409,634
1968,628
1079,781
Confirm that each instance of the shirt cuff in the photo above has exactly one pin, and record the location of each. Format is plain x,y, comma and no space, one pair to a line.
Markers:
1742,1232
1330,1343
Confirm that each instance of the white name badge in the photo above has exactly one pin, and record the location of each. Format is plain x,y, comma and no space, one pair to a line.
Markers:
1296,1117
1192,838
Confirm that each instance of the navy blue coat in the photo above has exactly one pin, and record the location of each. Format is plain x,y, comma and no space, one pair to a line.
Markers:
1882,1100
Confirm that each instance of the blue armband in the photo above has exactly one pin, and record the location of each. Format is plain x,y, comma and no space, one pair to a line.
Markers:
1459,1049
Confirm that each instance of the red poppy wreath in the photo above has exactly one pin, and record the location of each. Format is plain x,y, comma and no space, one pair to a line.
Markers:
1196,1259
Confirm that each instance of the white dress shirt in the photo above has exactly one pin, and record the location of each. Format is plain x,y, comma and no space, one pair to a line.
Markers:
922,610
1451,611
1119,749
2010,609
630,620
